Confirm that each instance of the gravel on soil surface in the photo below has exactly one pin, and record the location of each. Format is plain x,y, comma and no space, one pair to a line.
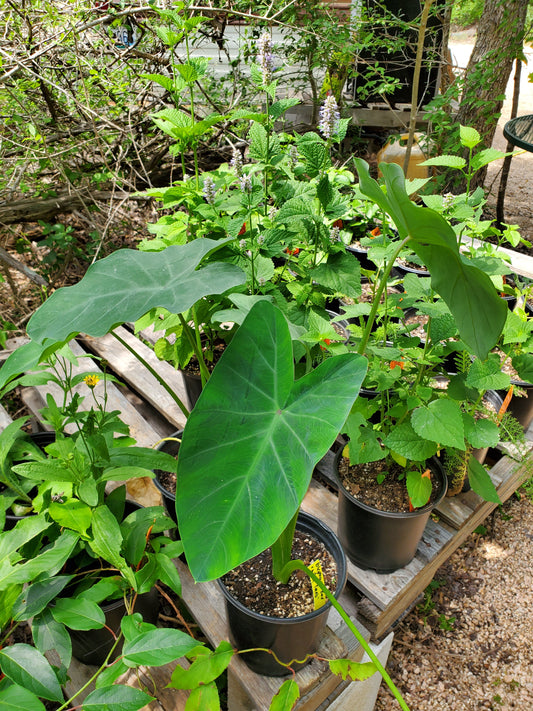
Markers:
484,594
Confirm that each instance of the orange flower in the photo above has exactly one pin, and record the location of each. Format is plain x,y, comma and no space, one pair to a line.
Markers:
243,229
338,223
375,232
395,363
294,251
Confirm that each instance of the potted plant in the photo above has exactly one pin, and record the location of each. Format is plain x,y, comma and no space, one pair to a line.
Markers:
245,461
409,421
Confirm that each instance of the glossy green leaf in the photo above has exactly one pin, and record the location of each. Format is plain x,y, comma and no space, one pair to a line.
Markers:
158,647
348,669
168,573
16,698
49,634
442,422
478,311
111,674
117,696
102,590
107,541
24,665
128,283
203,698
24,531
8,597
206,668
418,488
49,562
72,514
254,438
286,696
481,482
78,613
37,596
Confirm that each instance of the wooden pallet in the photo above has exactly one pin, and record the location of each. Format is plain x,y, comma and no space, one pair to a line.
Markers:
376,600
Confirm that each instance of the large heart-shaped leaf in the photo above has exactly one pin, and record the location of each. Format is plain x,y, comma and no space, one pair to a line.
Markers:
127,284
469,293
252,440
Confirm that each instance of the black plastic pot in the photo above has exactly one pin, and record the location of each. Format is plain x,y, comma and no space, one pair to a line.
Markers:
382,540
402,270
93,646
361,254
170,446
290,638
193,387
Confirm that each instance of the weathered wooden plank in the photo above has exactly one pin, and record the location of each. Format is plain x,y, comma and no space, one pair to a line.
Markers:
5,418
132,372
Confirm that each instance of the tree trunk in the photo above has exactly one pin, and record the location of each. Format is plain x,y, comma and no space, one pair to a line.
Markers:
499,41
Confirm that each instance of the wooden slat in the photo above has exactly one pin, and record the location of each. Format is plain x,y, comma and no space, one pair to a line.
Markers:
5,418
133,373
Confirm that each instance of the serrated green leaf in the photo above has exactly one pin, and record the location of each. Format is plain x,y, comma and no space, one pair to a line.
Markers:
469,136
118,696
348,669
78,614
341,273
485,157
158,647
482,432
286,696
487,375
24,665
523,365
405,441
481,482
315,155
441,421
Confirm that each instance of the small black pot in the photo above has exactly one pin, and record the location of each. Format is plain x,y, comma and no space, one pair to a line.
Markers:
402,270
362,255
170,446
93,646
382,540
521,408
290,638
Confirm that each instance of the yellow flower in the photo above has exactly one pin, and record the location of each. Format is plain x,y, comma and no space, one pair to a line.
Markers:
91,380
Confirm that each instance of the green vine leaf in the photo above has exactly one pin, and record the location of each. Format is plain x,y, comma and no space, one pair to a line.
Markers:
348,669
286,697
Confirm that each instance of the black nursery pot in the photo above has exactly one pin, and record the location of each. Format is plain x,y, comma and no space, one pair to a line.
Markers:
289,638
170,446
361,254
93,646
383,541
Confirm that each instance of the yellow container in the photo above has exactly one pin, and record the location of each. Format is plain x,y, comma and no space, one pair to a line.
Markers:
394,152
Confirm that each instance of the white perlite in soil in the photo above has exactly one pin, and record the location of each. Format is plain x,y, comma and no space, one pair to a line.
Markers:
485,661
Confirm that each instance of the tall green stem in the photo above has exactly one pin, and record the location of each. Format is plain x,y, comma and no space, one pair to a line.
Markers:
197,348
281,551
153,372
377,297
298,565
